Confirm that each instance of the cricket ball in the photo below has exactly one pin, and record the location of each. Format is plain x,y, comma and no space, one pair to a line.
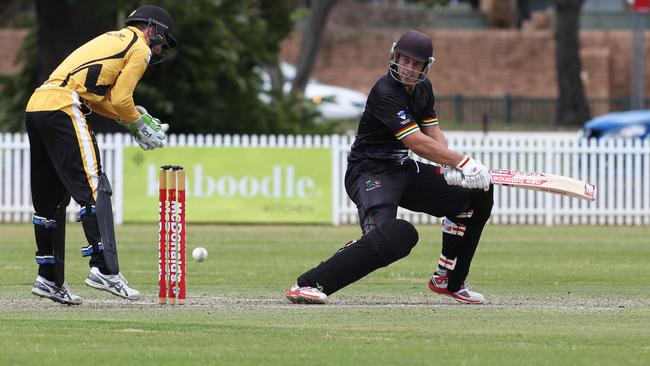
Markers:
199,254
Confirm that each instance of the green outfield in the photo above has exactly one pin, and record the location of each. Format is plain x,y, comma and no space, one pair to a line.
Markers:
557,296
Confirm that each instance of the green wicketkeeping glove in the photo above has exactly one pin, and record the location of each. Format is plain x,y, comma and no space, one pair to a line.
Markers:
147,131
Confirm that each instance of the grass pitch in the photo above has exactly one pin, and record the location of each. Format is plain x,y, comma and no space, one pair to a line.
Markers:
557,296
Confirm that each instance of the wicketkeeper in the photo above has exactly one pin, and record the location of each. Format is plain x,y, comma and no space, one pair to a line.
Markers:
400,116
99,76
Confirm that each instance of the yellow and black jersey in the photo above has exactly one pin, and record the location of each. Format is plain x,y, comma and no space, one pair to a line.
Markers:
102,74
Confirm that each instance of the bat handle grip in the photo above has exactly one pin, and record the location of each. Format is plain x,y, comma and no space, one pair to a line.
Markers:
442,169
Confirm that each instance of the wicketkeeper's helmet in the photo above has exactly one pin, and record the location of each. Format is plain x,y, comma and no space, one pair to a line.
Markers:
160,19
416,45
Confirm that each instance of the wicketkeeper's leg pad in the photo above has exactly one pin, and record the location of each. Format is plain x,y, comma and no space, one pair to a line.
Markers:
104,212
58,242
378,248
94,247
88,218
44,256
50,243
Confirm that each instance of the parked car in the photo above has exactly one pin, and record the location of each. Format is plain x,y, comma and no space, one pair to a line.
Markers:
629,124
333,102
618,125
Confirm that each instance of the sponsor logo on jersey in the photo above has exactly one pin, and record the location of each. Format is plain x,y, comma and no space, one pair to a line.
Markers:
118,35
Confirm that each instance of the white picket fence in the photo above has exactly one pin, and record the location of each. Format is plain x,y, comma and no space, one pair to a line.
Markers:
620,169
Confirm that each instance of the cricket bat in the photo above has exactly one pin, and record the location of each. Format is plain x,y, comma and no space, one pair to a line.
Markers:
544,182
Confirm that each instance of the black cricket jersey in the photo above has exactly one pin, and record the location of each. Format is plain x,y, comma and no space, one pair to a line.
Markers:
390,115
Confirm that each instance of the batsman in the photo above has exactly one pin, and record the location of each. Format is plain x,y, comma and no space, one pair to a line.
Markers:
99,76
381,176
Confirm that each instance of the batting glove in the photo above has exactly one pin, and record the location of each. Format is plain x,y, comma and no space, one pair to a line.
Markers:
475,174
454,177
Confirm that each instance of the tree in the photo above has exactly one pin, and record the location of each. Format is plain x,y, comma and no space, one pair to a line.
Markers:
310,45
313,34
60,27
572,104
16,89
213,83
210,85
83,21
9,11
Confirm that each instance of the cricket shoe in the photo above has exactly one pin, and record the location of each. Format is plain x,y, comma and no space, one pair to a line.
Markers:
464,294
305,295
440,283
49,290
115,284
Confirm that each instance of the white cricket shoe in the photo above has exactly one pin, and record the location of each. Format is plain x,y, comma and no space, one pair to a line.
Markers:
465,295
305,295
49,290
115,284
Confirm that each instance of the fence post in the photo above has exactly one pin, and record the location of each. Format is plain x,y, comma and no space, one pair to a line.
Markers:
485,124
335,146
508,106
459,108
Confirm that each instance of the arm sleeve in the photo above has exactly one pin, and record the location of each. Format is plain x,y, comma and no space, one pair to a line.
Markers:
394,114
136,63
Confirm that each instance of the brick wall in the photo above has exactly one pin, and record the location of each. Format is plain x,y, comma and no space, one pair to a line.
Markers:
477,62
10,42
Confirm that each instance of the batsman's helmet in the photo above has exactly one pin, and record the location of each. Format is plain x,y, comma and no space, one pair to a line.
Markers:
416,45
155,16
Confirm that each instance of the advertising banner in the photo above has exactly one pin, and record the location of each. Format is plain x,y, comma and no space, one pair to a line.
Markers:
234,184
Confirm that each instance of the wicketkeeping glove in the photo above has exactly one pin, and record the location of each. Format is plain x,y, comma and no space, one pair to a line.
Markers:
147,131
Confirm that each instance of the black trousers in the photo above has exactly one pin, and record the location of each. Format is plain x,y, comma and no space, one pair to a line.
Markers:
379,188
65,162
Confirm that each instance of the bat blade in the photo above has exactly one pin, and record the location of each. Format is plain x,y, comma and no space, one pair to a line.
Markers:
544,182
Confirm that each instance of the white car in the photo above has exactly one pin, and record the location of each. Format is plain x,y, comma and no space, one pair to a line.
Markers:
333,102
